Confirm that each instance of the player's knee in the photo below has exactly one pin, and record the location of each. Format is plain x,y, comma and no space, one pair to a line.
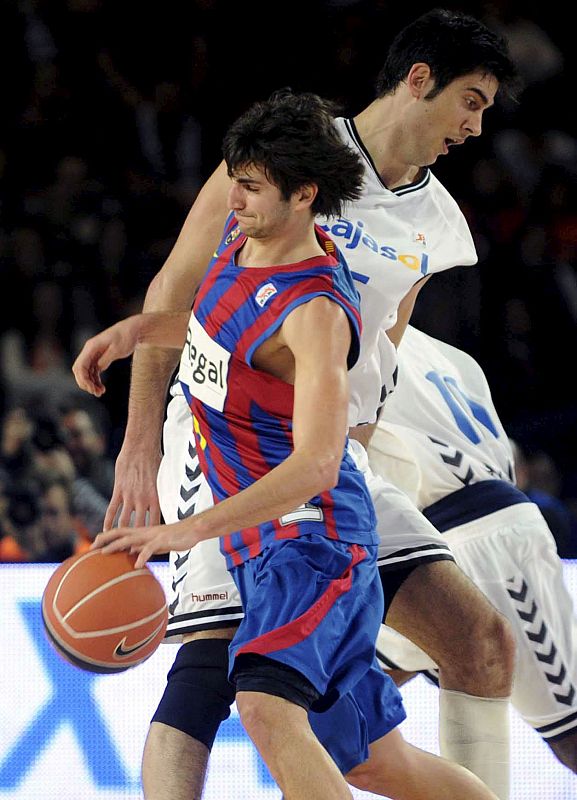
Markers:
365,777
198,694
390,757
489,665
495,647
506,645
261,713
484,662
247,706
255,713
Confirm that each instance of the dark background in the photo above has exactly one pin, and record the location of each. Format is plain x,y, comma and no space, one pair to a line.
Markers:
112,117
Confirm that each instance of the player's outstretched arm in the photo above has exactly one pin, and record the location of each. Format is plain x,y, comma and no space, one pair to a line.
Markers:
121,340
318,335
172,289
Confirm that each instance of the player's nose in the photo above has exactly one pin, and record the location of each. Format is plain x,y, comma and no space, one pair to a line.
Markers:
473,126
235,197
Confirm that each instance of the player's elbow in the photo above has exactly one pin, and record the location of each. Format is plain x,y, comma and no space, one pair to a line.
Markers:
155,293
167,291
326,470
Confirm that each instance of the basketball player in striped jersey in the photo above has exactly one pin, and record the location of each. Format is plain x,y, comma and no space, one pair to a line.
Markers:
439,438
431,95
274,328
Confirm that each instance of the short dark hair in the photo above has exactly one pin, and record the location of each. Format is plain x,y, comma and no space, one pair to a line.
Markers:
293,139
452,44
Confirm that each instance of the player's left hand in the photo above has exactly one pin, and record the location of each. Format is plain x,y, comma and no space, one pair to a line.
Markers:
147,541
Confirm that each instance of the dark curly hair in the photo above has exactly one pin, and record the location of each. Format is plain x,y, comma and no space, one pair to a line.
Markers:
293,139
452,44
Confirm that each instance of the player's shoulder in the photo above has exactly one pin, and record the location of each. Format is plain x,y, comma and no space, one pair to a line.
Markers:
442,196
417,343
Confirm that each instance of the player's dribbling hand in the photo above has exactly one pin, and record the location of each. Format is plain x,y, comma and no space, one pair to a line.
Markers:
147,541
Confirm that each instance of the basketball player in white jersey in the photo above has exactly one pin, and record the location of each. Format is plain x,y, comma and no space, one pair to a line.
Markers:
439,438
431,94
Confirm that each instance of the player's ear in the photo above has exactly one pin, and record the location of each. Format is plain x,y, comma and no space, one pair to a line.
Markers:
306,194
419,80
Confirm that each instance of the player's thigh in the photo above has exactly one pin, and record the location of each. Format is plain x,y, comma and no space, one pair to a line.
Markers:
390,766
441,610
400,677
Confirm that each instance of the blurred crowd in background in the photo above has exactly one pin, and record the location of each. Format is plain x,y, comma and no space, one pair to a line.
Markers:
113,114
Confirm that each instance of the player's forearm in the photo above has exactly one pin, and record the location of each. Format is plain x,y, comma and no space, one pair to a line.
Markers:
150,376
152,368
302,476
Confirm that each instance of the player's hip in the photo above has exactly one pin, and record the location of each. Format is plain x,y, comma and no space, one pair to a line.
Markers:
203,593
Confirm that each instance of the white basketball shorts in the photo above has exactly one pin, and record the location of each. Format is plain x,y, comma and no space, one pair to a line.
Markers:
407,538
512,557
204,596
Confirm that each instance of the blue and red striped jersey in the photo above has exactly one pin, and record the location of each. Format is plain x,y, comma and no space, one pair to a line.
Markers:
242,416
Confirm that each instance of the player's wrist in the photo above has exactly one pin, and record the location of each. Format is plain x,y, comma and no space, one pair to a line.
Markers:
138,440
203,526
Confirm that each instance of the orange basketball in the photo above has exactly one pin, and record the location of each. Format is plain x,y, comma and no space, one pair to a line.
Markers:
102,614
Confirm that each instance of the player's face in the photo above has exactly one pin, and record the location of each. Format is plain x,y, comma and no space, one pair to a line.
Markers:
451,117
257,203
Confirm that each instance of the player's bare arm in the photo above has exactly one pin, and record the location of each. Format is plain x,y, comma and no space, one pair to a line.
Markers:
363,433
404,312
160,329
317,335
172,289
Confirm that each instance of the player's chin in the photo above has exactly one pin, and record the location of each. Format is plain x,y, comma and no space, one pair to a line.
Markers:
247,229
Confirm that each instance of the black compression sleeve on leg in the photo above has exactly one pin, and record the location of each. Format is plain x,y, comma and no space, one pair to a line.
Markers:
198,695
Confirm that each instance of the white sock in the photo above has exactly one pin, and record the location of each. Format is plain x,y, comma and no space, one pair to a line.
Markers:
474,732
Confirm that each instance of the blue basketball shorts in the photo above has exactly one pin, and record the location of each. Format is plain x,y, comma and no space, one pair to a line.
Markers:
372,708
313,604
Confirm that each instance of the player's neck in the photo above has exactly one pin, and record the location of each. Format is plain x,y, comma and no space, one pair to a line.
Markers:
286,247
380,127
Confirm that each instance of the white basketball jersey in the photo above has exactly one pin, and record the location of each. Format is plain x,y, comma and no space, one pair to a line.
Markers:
391,239
443,415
